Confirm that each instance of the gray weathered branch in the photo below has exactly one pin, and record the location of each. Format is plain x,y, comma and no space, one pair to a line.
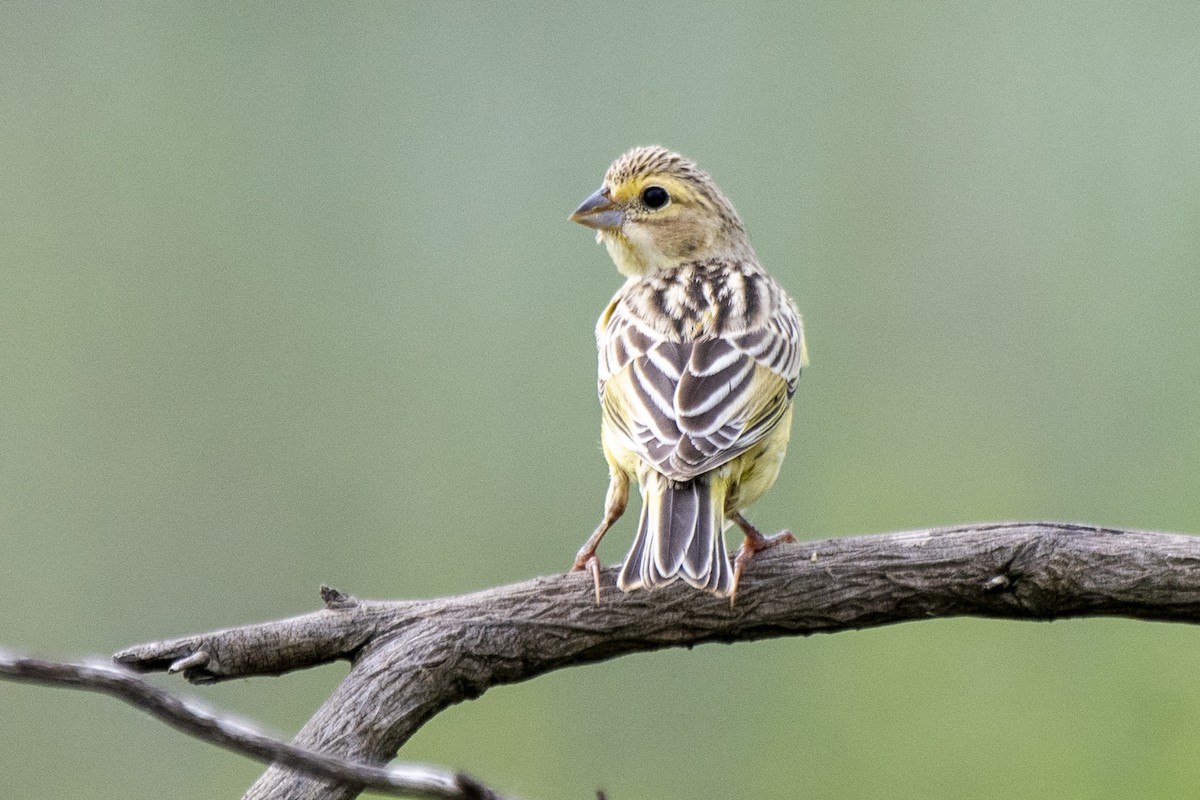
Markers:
407,780
411,659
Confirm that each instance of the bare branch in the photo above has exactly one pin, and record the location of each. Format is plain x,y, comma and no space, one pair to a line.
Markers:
408,780
411,659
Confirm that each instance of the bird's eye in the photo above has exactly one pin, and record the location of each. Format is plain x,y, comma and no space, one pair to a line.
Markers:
655,197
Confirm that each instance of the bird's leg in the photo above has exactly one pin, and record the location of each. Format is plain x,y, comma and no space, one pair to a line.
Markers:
614,507
755,542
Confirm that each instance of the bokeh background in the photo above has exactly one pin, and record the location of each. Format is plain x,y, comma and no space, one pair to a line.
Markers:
288,296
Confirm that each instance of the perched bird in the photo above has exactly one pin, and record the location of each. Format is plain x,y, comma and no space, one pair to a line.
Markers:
699,356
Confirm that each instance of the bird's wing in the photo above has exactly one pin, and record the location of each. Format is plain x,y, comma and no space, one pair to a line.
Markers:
686,407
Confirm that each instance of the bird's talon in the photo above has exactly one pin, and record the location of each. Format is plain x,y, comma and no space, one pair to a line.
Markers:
755,542
593,566
585,562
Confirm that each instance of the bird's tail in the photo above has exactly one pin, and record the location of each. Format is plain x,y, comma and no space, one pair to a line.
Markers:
679,536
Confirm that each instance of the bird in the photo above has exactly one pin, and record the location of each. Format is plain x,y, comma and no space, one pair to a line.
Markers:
699,353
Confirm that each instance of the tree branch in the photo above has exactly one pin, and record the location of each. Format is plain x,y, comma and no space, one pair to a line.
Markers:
408,780
411,659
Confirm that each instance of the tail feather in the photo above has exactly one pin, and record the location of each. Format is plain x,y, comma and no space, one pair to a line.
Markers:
678,516
679,536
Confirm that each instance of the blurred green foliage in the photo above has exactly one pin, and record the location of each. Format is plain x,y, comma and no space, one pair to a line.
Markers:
288,296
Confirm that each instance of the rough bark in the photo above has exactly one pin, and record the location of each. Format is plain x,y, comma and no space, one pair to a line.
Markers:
411,659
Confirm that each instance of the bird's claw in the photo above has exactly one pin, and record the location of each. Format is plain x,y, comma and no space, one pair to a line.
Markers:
755,542
591,564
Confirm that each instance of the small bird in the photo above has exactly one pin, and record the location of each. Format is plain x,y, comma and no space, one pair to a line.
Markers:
699,355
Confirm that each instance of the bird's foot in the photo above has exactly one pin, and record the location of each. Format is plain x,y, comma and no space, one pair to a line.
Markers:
755,542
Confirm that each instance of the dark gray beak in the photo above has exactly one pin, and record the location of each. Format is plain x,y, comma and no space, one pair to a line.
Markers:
599,212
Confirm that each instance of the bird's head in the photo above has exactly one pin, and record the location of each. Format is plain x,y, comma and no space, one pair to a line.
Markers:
657,210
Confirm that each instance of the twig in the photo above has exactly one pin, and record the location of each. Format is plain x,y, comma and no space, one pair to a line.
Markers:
408,780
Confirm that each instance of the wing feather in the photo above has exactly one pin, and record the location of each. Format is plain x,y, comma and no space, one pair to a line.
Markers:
686,406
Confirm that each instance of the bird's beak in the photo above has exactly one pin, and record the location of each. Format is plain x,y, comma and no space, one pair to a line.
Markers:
599,212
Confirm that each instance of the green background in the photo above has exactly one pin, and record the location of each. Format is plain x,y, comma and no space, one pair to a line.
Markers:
288,296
